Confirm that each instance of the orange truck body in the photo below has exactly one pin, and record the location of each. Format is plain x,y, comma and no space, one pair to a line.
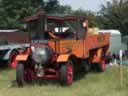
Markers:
81,48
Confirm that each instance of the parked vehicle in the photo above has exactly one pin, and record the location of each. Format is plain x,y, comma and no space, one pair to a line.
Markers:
10,44
59,47
115,40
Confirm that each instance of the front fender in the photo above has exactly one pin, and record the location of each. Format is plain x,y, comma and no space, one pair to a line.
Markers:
63,58
22,57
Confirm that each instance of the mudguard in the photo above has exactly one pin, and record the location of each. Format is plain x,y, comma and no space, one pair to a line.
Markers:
97,56
22,57
63,57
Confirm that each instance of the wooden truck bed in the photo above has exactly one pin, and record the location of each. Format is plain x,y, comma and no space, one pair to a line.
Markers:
98,40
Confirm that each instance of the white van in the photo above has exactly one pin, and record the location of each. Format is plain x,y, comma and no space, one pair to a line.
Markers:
115,40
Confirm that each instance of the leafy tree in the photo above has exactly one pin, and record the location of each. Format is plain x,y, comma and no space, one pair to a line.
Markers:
51,6
91,16
13,11
64,10
125,40
114,15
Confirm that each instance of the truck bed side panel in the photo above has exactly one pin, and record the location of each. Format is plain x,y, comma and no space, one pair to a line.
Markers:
99,40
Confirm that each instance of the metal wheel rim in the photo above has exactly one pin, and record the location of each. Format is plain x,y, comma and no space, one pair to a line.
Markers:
69,73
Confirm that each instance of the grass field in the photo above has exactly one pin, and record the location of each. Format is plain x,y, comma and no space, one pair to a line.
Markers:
92,84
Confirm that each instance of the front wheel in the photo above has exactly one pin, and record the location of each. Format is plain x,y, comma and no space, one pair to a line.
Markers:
20,74
24,74
67,73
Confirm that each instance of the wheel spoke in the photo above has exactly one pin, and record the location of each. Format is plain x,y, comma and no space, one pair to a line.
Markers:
103,64
66,74
28,75
70,73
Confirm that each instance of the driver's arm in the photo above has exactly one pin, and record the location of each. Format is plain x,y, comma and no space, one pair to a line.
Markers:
53,36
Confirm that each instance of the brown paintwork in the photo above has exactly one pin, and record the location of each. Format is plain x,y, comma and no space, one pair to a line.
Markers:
15,37
30,18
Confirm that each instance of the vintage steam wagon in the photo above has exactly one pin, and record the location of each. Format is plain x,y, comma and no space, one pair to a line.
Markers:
60,45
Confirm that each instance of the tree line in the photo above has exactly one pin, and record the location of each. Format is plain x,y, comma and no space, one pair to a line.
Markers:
113,15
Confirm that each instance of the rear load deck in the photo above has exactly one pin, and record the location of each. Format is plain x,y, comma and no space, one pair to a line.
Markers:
98,40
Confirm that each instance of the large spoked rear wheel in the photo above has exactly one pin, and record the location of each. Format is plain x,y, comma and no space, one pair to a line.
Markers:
20,74
67,73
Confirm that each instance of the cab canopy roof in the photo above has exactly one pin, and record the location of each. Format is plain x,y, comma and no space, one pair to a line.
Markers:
31,18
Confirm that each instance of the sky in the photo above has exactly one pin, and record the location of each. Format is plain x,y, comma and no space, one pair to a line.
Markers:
93,5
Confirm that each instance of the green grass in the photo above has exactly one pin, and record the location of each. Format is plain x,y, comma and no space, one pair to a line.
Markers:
92,84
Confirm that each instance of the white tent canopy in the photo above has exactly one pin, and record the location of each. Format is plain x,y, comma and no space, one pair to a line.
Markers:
12,30
112,32
115,40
